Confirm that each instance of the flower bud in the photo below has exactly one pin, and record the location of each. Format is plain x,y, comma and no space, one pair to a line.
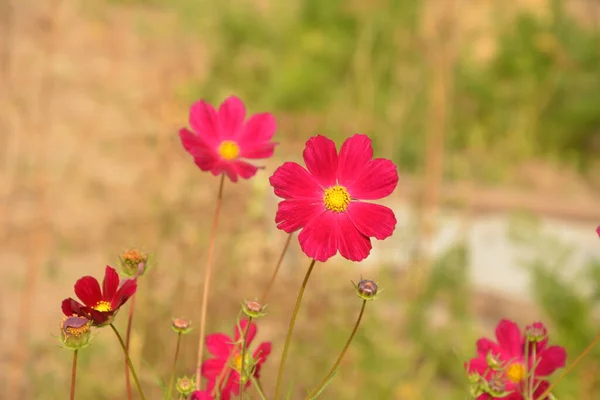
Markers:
493,361
366,289
496,386
75,332
185,386
536,333
180,325
134,262
253,309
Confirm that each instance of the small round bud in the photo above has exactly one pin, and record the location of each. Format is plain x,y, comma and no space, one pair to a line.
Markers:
185,386
536,333
493,361
75,332
366,289
180,325
253,309
134,262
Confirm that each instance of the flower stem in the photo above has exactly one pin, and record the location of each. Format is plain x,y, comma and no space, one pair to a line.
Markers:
571,366
242,372
74,373
291,329
265,294
127,341
135,378
172,380
207,274
259,388
333,369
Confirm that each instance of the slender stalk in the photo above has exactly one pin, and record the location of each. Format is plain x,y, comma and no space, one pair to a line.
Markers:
341,356
534,366
265,294
207,274
291,329
135,378
172,380
127,341
242,372
571,366
259,388
74,374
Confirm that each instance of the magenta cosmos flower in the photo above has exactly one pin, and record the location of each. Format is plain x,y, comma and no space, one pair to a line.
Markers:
325,201
224,369
201,395
99,305
503,370
222,140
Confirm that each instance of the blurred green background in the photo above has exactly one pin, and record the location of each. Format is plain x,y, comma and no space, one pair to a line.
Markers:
488,107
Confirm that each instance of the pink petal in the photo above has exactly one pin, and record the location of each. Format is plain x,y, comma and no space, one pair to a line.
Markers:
378,179
254,139
251,331
295,214
110,284
320,157
232,114
204,121
262,352
372,220
510,338
88,291
212,368
319,238
263,150
542,386
244,169
219,345
352,244
291,181
355,153
194,145
126,290
484,346
478,365
201,395
551,359
598,230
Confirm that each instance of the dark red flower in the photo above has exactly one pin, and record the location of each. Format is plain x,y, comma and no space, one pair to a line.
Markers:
99,305
502,369
224,368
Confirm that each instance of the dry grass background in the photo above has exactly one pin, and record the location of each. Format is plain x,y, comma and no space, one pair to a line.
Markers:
90,164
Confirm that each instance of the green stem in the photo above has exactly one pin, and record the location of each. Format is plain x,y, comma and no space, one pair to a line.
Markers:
135,378
172,380
258,388
291,329
74,373
242,371
333,369
127,341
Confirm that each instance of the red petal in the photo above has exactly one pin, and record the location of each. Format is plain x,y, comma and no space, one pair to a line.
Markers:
262,352
194,145
219,345
201,395
204,121
232,114
295,214
291,181
110,284
484,346
355,153
70,307
321,159
208,162
378,179
319,238
352,244
251,331
244,169
263,150
372,220
478,365
126,290
88,291
509,338
551,359
211,368
254,139
542,386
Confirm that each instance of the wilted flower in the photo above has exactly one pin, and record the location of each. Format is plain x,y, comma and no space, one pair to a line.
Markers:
325,201
99,305
75,332
185,385
366,289
253,308
134,262
180,325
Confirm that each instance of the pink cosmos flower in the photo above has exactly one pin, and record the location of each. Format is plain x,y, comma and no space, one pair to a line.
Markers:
222,140
598,230
502,369
325,201
201,395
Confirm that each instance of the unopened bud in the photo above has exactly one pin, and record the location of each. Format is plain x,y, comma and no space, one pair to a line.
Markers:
536,332
366,289
185,386
75,332
253,309
134,262
180,325
493,361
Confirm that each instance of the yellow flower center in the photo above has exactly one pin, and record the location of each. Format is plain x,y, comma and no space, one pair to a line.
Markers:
102,306
336,198
237,362
516,372
229,150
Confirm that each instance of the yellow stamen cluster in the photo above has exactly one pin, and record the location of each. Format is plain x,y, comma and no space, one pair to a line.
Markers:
102,306
516,372
229,150
336,198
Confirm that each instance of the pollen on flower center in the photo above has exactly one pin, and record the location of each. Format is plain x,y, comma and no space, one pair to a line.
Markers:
336,198
516,372
237,362
102,306
229,149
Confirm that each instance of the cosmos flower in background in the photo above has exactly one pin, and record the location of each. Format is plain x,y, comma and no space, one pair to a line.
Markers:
99,304
221,141
201,395
325,200
504,369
